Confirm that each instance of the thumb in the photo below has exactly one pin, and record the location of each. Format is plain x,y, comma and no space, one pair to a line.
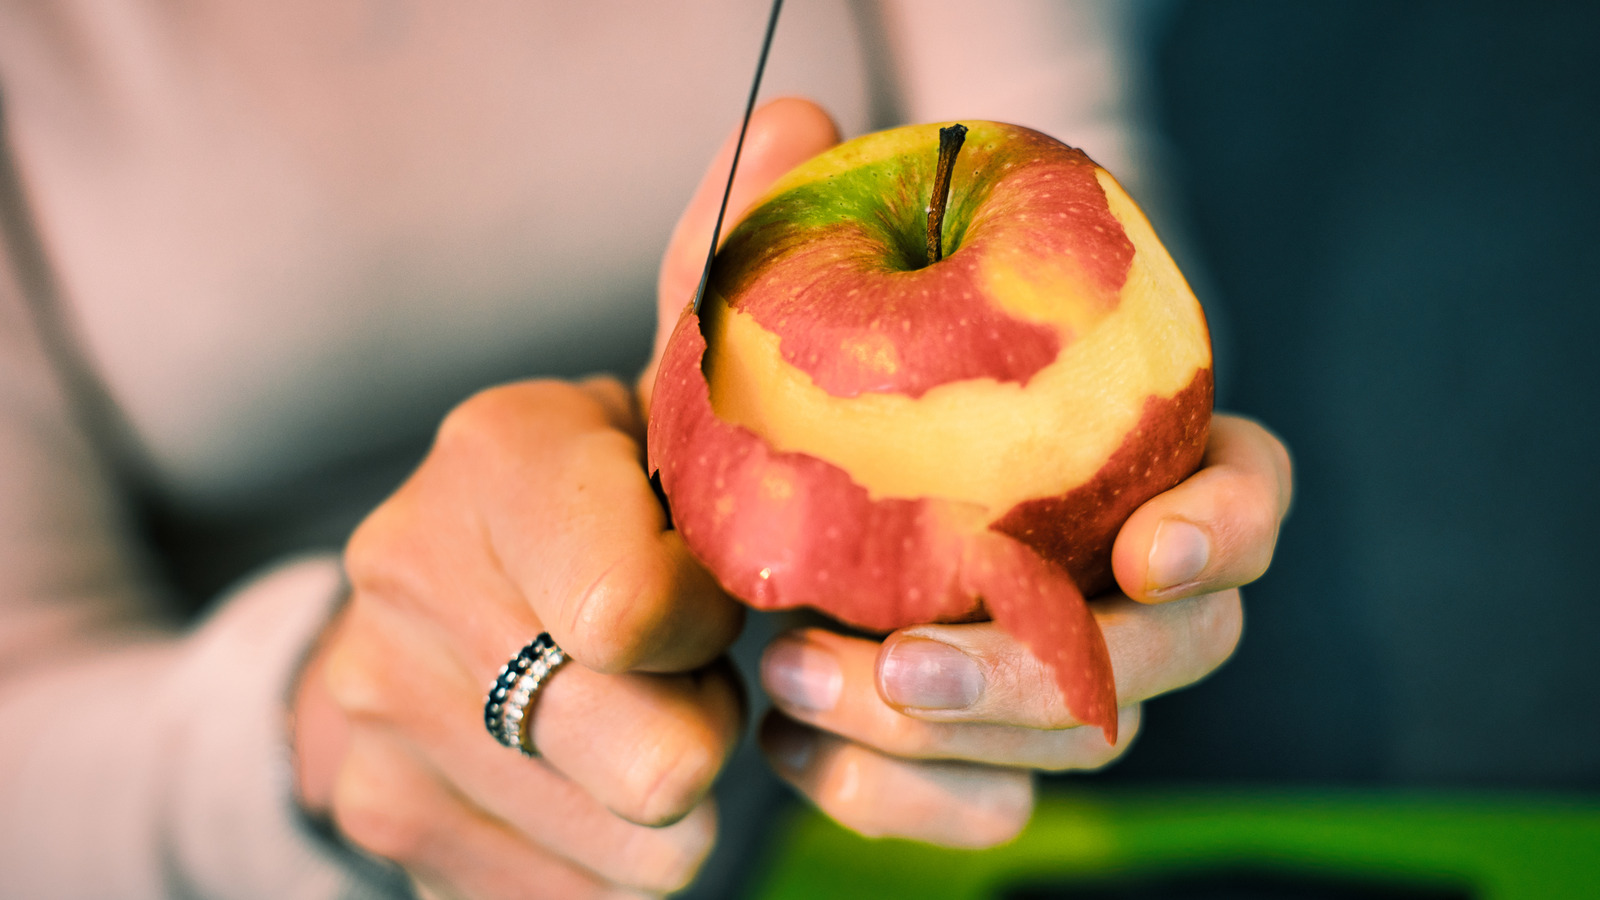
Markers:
783,133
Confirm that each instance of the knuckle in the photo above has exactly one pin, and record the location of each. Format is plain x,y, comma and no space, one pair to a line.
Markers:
1260,513
844,787
900,735
481,426
968,807
370,552
609,623
605,447
587,636
660,873
1285,473
1257,532
488,408
1202,634
1005,811
667,780
388,558
381,832
466,426
366,811
664,872
1218,624
1280,462
1270,465
357,682
617,602
1156,649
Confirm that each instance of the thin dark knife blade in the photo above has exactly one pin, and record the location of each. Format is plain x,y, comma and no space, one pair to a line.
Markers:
749,107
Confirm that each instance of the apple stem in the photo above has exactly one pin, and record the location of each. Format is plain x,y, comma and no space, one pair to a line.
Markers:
950,140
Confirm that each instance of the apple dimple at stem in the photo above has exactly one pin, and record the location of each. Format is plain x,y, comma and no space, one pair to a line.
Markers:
832,261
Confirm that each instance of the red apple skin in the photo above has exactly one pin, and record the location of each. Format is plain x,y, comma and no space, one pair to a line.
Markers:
786,529
1036,602
1075,530
810,266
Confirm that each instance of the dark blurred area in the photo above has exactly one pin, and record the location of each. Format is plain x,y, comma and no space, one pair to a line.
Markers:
1400,206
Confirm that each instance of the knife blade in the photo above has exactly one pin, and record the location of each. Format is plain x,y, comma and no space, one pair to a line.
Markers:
738,147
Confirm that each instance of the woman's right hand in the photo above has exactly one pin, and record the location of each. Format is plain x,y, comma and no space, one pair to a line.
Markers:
531,513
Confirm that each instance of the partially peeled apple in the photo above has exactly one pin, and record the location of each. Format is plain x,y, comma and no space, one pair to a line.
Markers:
898,423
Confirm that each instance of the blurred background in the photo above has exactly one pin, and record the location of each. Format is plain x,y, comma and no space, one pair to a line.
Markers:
1399,205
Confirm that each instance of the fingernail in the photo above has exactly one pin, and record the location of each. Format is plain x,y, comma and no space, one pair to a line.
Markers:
800,674
1178,553
924,674
789,745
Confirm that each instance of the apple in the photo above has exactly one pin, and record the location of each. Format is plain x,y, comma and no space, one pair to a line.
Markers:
898,407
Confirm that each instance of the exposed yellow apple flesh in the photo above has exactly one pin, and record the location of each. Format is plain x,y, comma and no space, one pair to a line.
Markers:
986,441
894,442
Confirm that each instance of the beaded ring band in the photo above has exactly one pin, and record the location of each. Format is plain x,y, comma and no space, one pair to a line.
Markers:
505,712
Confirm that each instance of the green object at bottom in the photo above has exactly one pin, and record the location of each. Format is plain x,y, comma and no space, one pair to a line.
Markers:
1487,846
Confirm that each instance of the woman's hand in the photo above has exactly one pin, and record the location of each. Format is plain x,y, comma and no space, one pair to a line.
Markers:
531,513
934,733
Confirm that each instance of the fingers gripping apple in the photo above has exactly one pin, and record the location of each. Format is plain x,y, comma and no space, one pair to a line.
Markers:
850,426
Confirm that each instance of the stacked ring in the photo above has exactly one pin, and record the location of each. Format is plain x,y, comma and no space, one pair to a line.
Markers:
505,712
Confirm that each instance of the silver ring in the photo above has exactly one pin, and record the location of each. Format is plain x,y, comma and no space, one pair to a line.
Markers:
505,712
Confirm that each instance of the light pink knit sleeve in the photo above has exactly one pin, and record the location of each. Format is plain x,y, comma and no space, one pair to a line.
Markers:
138,758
